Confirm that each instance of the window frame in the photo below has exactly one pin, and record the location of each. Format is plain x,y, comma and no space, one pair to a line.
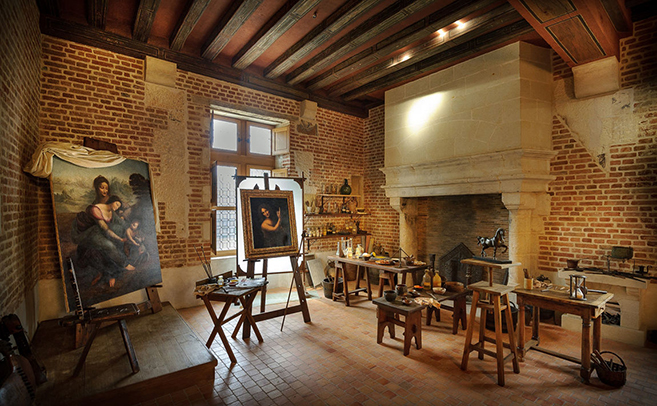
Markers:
242,159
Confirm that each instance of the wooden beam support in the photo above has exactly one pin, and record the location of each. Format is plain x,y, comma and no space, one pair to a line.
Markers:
496,18
283,20
97,13
445,58
376,25
144,19
580,31
423,28
324,31
116,43
236,15
186,23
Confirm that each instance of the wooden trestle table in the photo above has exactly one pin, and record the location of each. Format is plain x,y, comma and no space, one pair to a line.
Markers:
589,310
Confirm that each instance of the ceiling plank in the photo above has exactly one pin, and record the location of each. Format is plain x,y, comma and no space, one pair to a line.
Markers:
86,35
494,19
144,20
445,16
186,23
452,55
283,20
394,14
236,15
97,13
324,31
48,7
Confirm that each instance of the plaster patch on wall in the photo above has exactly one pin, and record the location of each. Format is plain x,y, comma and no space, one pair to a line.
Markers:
598,122
305,163
170,144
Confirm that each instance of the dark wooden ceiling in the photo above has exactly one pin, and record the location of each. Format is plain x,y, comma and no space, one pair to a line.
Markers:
342,54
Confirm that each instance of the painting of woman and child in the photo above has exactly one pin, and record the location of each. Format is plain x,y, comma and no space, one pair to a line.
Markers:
269,223
106,225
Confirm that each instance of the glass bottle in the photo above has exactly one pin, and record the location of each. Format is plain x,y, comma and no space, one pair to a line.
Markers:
437,281
426,280
345,189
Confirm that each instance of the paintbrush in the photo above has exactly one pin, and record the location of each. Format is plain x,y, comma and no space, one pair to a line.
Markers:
206,261
202,263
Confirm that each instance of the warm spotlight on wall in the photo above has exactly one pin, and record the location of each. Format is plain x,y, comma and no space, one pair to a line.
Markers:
440,32
460,24
423,110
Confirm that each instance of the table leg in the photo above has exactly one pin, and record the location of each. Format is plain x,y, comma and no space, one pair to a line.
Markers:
247,303
597,325
512,334
403,278
460,303
217,326
384,318
358,276
369,283
585,370
536,324
521,328
469,332
382,276
483,314
497,313
413,329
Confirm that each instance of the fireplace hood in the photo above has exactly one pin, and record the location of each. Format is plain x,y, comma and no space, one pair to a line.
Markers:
483,126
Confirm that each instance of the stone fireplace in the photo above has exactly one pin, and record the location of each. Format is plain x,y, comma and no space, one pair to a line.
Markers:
482,127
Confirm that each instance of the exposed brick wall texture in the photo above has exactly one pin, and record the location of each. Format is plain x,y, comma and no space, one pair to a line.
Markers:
383,221
20,64
446,221
593,210
87,91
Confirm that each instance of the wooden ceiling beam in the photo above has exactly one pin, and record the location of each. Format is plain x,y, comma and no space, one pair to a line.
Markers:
494,19
86,35
580,31
97,13
144,20
283,20
392,15
429,25
324,31
452,55
238,12
186,23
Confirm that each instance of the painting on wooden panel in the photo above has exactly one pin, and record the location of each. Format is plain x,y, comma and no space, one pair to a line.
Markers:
269,223
105,222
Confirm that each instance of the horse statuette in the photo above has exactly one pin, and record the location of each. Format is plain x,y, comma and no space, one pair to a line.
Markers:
495,242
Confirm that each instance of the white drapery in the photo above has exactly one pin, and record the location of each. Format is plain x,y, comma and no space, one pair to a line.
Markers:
41,163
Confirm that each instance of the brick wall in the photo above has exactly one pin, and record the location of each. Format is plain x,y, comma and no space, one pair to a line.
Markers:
384,220
19,119
446,221
593,210
91,92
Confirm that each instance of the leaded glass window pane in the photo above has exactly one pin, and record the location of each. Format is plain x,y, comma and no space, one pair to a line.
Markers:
225,186
260,140
226,230
259,172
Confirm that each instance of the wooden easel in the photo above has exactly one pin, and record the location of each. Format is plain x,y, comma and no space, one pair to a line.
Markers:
298,282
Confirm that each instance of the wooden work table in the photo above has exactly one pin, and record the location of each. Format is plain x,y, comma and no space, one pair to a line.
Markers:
489,266
362,265
589,310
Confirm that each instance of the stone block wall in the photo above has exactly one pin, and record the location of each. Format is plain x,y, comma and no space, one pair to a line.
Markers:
20,67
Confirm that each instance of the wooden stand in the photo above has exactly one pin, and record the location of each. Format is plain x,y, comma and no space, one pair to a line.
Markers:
388,316
88,321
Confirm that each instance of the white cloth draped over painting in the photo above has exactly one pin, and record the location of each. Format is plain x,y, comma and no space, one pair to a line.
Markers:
41,163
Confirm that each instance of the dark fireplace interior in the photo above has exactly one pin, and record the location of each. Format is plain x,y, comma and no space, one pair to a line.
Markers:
444,222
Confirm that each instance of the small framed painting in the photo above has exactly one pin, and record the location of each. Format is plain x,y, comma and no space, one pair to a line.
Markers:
269,223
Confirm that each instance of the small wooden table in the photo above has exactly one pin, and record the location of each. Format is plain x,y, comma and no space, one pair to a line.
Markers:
229,295
589,309
489,266
361,266
458,309
388,315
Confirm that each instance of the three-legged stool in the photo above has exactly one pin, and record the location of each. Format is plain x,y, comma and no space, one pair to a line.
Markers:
498,300
388,315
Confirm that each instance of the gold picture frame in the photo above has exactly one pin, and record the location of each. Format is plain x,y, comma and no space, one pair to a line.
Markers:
269,223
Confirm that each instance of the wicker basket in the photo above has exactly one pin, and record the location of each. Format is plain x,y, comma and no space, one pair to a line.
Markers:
616,376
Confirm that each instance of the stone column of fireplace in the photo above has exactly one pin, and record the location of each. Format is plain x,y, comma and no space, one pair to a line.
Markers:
407,209
526,214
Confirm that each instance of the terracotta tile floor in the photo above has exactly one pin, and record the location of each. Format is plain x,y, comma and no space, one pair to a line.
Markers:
335,361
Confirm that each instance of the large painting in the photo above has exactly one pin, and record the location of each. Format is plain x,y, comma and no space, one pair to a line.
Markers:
269,223
105,223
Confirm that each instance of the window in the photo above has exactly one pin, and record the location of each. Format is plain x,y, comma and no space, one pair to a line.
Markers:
239,147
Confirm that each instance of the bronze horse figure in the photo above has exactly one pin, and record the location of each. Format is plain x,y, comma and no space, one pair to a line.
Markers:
495,242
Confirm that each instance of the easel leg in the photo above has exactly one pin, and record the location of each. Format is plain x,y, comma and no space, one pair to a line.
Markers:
92,335
154,298
134,364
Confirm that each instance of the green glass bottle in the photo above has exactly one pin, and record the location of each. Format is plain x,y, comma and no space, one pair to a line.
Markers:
345,189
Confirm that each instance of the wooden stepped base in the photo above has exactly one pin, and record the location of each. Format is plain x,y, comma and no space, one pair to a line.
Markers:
170,355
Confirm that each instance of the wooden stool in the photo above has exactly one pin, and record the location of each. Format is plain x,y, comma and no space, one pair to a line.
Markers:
498,301
386,276
388,315
340,272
